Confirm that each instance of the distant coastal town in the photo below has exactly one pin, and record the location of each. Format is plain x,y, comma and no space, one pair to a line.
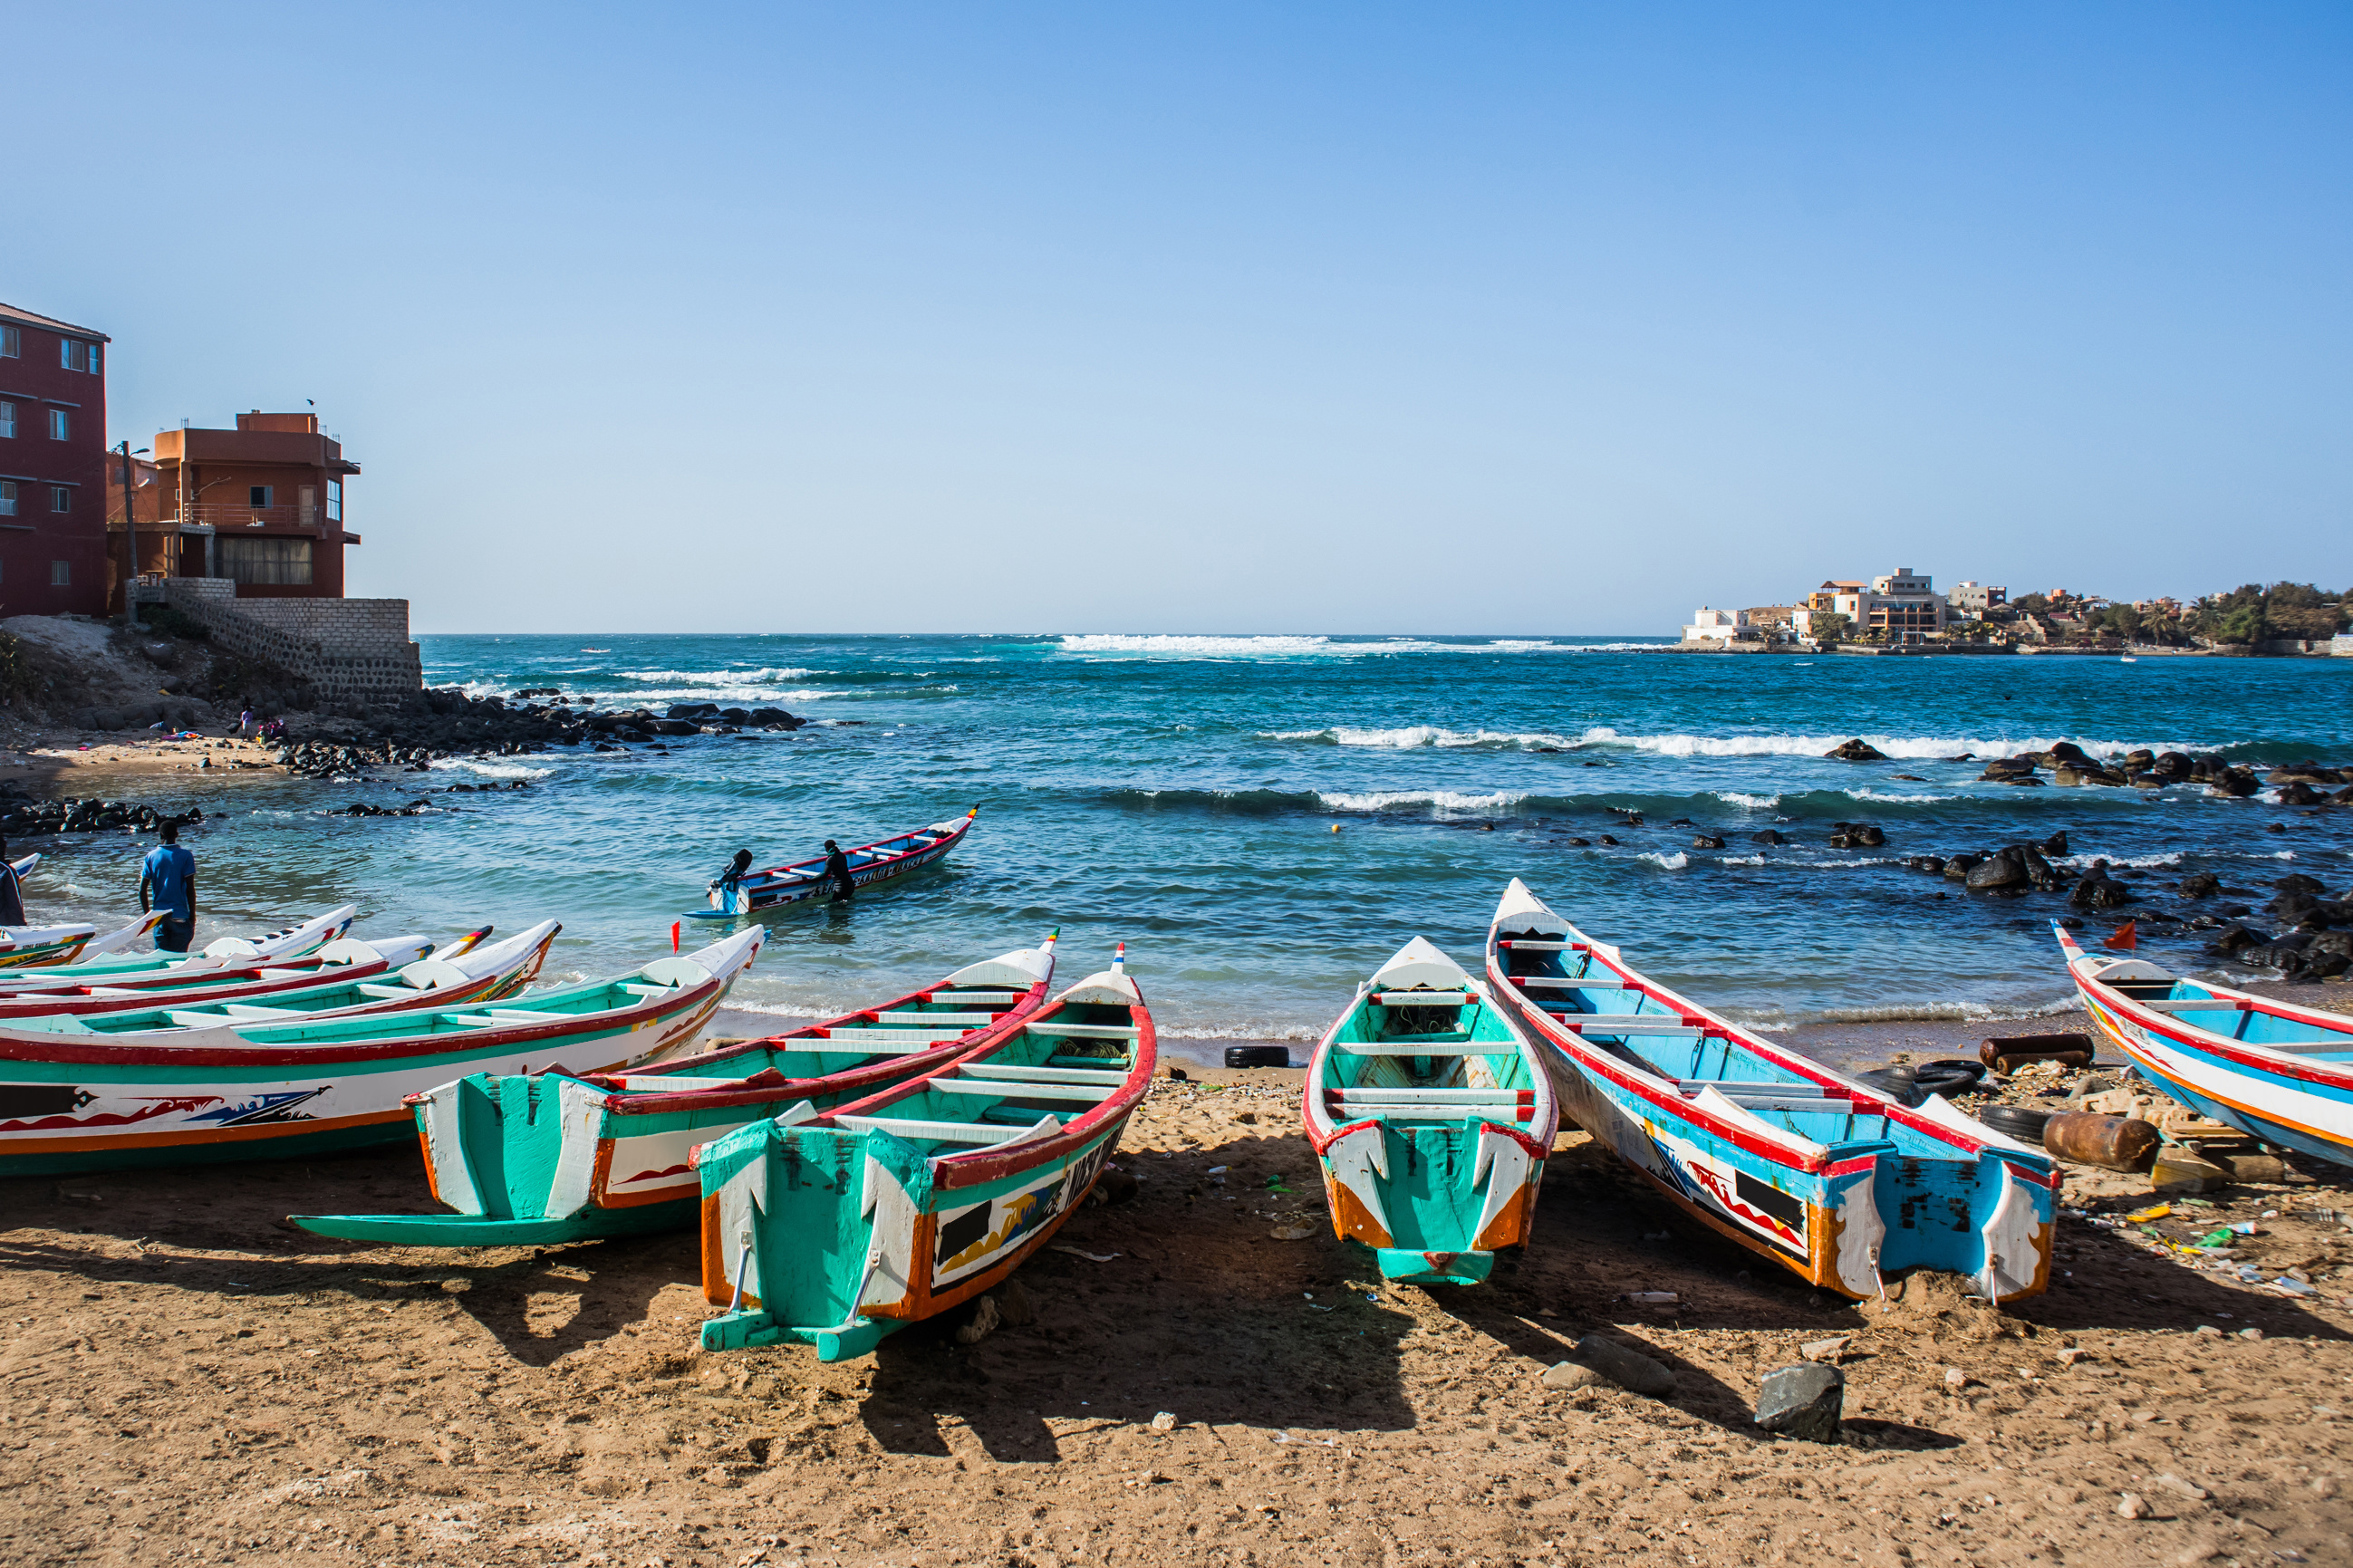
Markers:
1903,613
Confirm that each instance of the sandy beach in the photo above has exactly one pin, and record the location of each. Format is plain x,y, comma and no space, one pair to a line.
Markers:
190,1380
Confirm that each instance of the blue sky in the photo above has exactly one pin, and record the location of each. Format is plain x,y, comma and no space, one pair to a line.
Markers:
1542,318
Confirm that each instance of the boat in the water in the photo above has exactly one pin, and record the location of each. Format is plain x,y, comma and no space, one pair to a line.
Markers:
2272,1069
553,1156
836,1227
1431,1115
484,973
883,860
252,1090
1818,1171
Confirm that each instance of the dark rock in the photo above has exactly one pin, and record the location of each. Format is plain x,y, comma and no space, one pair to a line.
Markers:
2055,844
1628,1369
1580,844
2096,892
1706,841
2236,783
2234,936
1933,864
1607,839
2298,882
1768,836
2005,869
2199,885
2068,751
2000,770
1958,867
1805,1402
2174,764
1857,750
2301,794
692,711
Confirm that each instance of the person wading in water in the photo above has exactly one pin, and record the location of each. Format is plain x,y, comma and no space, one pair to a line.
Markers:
730,882
170,874
836,871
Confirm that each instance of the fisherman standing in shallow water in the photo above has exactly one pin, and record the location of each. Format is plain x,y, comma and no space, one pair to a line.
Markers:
836,871
729,884
169,873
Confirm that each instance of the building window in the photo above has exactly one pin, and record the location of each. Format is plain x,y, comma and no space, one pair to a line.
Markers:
74,354
61,424
12,343
94,362
275,563
62,498
60,574
7,419
7,498
334,500
258,495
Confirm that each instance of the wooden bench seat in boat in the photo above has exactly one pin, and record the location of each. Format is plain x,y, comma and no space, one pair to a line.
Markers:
1002,1071
928,1018
1001,1088
1088,1031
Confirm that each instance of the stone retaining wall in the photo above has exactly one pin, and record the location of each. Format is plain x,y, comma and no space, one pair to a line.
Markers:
349,650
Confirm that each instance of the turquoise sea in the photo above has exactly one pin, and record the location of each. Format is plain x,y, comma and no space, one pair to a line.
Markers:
1180,793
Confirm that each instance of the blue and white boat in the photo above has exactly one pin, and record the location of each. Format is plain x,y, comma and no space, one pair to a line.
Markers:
2276,1071
1821,1173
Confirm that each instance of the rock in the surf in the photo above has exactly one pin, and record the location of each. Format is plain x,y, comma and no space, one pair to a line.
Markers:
1857,750
2199,885
1768,836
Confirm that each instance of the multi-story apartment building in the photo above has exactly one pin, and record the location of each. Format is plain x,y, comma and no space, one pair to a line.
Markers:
1974,599
52,462
262,505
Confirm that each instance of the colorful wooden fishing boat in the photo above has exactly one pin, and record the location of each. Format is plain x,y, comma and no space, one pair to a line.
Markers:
345,961
2270,1068
1766,1147
276,1090
555,1156
883,860
485,973
39,947
121,967
836,1227
1431,1115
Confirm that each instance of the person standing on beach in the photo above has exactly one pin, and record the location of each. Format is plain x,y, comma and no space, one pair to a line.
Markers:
12,891
169,873
836,871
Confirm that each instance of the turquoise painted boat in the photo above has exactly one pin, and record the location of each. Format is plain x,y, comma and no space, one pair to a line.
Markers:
1432,1117
251,1090
1799,1163
344,961
836,1227
107,961
483,973
555,1156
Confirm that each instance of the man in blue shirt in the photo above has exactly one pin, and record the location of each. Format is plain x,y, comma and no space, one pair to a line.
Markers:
169,873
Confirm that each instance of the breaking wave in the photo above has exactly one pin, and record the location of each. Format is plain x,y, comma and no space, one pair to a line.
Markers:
1439,801
1181,647
1921,747
1674,862
714,676
1413,736
488,770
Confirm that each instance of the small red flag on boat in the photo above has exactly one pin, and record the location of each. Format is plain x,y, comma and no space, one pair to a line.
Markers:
673,934
2126,938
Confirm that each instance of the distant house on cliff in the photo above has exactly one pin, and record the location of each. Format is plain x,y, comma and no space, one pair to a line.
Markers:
262,505
1717,627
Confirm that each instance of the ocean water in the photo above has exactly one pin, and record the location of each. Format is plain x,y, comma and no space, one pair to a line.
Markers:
1180,794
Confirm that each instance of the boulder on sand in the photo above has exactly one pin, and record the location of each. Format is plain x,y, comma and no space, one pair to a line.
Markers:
1857,750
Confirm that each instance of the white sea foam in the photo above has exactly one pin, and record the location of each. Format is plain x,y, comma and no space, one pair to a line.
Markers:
2121,862
1742,859
715,677
1436,799
1897,799
1674,862
1413,737
1180,646
506,770
1924,747
1747,802
736,696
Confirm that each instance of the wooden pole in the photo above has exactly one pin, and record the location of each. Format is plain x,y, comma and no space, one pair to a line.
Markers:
131,539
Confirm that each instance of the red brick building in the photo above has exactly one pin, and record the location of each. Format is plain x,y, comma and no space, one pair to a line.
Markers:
52,466
261,505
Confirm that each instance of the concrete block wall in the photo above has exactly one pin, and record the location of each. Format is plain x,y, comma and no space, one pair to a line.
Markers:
355,649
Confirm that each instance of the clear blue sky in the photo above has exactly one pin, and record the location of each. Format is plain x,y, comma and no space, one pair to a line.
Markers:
1221,318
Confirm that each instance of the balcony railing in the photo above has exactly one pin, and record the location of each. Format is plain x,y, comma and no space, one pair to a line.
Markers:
222,515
